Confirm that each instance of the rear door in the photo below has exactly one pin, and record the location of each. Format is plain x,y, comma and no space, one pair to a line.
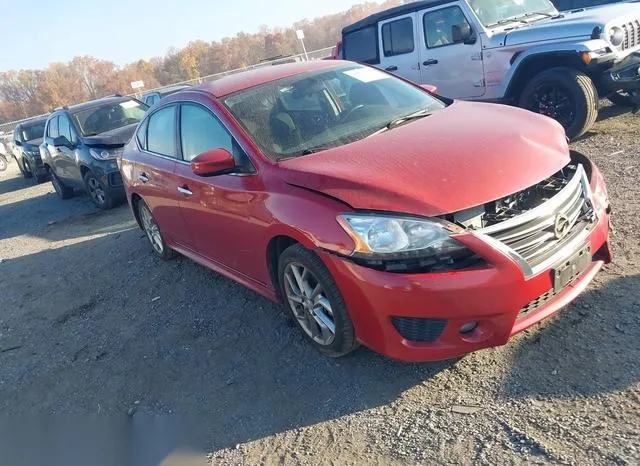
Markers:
218,209
153,174
66,155
454,67
400,53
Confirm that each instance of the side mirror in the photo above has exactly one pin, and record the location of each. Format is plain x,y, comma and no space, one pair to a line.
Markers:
62,141
17,143
213,162
462,33
429,88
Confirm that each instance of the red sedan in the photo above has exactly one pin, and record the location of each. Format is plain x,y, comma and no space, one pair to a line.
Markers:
376,211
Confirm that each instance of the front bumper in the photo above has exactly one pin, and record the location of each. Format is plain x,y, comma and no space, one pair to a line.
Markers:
624,75
500,298
109,175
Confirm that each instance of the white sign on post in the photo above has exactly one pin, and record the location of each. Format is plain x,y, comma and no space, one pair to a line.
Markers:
137,84
300,34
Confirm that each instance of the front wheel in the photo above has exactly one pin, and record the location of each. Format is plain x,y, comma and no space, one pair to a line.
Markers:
312,296
3,163
98,192
566,95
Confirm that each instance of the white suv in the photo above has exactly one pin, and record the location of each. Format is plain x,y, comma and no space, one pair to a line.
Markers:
516,51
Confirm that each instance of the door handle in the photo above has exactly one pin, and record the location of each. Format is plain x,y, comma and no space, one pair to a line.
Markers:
184,190
431,61
391,68
143,177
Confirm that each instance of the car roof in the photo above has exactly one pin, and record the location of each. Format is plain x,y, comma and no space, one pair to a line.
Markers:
33,121
391,12
246,79
171,89
93,103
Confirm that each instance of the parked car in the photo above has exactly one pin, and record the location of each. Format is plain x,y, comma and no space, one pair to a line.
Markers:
153,97
81,144
376,212
516,51
27,137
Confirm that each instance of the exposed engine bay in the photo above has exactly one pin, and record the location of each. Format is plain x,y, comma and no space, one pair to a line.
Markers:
516,204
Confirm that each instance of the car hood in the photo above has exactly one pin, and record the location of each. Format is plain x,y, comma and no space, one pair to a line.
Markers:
32,145
579,23
463,156
115,137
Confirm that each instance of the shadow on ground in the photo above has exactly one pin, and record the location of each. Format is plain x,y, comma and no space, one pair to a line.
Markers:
555,362
103,326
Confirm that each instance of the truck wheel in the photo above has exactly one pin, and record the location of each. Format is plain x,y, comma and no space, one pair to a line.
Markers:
625,98
566,95
26,169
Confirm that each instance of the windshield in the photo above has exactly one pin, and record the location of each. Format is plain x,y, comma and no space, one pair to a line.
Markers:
492,12
323,109
109,116
32,132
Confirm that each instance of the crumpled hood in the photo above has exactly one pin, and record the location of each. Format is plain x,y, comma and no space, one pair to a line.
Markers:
463,156
115,137
574,24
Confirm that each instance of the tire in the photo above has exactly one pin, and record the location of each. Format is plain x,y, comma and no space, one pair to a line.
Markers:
152,229
63,191
315,319
574,103
26,169
99,193
3,163
21,168
41,178
625,99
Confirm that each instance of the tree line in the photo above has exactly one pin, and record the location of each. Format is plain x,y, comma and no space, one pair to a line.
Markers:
26,93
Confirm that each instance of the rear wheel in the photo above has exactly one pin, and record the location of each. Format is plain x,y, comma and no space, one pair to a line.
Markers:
63,191
312,296
151,228
566,95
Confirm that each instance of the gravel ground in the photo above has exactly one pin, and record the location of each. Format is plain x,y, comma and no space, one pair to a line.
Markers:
200,370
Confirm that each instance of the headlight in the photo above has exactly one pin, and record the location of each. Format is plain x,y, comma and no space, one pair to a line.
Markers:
103,154
616,36
403,244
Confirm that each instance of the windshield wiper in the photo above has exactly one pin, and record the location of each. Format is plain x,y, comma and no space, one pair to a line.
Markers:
401,120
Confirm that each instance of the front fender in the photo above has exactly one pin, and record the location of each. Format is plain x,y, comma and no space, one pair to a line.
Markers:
563,51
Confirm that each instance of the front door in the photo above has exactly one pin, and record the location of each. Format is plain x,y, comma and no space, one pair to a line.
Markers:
218,209
453,66
399,51
67,159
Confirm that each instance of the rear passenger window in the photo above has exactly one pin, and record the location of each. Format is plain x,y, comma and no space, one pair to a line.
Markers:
361,45
52,129
397,37
161,132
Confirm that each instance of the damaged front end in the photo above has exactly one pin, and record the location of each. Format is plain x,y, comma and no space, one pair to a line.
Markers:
541,224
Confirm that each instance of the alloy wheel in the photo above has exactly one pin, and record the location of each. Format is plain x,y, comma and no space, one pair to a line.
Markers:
151,228
554,101
96,191
309,303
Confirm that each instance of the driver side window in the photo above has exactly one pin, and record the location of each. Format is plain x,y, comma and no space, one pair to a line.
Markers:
438,26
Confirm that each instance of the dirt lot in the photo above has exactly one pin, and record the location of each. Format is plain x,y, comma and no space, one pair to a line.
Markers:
92,324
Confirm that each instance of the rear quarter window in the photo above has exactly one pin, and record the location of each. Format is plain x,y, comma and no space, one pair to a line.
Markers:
362,45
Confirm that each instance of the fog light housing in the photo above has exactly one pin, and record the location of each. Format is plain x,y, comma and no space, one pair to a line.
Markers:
468,327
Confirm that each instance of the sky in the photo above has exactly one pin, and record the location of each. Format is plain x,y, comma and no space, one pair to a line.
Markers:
36,33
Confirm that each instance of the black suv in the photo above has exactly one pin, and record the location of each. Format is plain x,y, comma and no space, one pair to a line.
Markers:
27,137
82,142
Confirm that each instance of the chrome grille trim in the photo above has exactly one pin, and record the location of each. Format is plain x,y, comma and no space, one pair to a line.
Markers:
526,239
631,34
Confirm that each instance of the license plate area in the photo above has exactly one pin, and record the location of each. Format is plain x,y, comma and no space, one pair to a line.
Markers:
570,269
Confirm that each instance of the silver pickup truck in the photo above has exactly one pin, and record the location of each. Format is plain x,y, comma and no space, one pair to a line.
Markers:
522,52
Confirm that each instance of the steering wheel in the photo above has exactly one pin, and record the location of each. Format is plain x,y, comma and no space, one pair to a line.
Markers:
351,112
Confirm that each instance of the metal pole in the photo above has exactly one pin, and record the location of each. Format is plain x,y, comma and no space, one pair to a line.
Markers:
304,49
